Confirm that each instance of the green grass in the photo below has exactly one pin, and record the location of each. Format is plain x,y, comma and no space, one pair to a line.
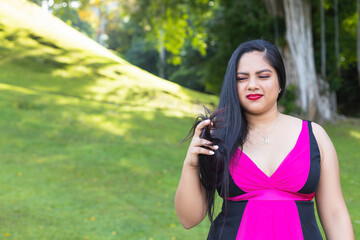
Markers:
63,164
346,137
89,144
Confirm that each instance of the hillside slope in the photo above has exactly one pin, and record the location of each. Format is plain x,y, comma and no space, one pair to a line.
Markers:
62,60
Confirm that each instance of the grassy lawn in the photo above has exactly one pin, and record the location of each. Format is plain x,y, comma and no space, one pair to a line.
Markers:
75,169
90,145
346,138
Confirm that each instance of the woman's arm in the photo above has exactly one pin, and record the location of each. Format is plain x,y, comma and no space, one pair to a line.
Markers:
333,214
190,200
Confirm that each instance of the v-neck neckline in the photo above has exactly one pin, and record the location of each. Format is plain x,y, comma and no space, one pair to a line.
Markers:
286,157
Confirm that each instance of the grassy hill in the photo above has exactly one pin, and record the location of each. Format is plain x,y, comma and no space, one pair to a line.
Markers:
89,144
65,61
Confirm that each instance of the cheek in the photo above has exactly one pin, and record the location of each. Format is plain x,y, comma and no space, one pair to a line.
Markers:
272,87
241,91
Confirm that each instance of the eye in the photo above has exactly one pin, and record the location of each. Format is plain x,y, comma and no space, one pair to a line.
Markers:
241,78
264,76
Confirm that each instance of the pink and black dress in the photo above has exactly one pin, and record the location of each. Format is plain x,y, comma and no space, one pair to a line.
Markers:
277,207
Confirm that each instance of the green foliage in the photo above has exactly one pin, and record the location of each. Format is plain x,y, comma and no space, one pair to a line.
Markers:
186,76
189,73
69,15
345,84
233,22
287,103
348,95
169,23
38,2
143,54
120,32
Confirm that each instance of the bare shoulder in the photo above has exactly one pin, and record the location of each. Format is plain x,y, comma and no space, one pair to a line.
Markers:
322,138
292,121
320,134
290,127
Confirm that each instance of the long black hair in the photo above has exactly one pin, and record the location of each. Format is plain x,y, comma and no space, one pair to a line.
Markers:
213,169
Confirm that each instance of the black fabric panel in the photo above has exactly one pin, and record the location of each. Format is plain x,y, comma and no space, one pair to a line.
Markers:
314,173
234,190
308,222
219,231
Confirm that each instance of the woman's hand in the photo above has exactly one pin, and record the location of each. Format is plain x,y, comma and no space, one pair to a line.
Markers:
197,145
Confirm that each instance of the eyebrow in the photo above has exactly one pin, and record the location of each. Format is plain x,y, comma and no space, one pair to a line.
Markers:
258,72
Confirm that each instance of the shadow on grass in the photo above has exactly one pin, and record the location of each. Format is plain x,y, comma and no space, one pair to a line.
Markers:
28,52
32,61
66,160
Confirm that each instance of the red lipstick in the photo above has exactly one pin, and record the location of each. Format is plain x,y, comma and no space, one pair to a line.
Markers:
254,97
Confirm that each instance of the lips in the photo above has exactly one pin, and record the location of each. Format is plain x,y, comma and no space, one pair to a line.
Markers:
254,97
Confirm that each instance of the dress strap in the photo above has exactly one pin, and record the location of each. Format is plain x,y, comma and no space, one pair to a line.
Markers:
315,158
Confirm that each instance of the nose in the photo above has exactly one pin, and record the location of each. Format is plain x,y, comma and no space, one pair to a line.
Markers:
252,83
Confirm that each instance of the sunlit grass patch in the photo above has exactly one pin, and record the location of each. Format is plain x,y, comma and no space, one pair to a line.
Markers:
355,134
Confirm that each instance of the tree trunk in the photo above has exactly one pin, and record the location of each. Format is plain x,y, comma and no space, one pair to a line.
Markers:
45,5
101,24
162,56
276,29
337,49
323,42
299,38
358,38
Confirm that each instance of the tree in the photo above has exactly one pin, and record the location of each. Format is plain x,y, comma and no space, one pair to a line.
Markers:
68,11
299,37
169,23
38,2
336,36
233,22
323,42
358,38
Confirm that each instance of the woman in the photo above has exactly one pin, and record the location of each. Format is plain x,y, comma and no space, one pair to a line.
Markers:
274,164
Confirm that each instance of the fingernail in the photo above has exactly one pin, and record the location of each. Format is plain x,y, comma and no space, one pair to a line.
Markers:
211,152
216,146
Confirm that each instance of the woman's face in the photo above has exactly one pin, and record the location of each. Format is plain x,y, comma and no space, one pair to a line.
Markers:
257,83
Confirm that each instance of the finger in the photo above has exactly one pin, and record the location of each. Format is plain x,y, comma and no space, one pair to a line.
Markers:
201,126
201,150
203,142
214,147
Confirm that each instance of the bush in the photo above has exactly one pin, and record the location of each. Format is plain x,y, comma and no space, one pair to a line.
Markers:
287,104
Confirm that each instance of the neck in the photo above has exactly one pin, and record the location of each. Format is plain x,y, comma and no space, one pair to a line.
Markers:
262,121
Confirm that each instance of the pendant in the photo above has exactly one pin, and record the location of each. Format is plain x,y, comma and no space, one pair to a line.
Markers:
266,140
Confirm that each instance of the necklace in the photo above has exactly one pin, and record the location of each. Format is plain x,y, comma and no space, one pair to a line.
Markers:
266,139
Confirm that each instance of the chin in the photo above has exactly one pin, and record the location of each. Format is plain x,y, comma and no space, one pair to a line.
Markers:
254,111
